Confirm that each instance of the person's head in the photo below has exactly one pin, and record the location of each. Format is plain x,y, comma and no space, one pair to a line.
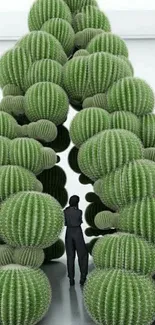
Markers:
74,201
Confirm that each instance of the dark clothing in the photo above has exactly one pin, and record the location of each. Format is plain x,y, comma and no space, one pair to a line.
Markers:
75,243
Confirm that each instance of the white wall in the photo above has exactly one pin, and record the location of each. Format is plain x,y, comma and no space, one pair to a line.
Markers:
142,54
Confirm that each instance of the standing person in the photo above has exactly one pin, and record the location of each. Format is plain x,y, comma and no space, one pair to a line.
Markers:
75,241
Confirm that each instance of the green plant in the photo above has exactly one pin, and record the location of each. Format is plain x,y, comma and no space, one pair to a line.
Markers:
91,211
81,53
95,165
4,149
119,297
44,70
43,10
31,219
41,45
63,32
53,107
49,158
107,42
77,5
12,90
55,251
125,120
41,130
83,37
106,219
149,153
87,123
6,255
12,105
148,130
29,293
14,179
124,251
27,256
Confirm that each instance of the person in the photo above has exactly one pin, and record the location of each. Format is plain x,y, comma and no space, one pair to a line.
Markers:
75,241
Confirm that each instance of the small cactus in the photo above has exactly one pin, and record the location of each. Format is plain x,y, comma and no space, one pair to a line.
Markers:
27,256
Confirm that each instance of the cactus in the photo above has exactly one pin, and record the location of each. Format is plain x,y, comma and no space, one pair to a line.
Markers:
91,17
149,153
108,142
81,53
91,211
14,179
62,141
106,219
125,120
43,10
55,251
26,287
63,32
4,151
113,292
44,70
12,90
49,158
12,105
88,123
77,5
32,257
41,130
83,37
6,255
107,42
124,251
148,130
53,107
90,245
39,220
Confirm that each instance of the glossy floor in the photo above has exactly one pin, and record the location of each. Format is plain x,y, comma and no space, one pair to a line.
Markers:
67,304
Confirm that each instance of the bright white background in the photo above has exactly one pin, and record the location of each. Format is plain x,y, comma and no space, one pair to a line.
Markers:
22,5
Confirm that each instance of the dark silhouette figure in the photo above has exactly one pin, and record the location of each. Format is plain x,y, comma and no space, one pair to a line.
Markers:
75,241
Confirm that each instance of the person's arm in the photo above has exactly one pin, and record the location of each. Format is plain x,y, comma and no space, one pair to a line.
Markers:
81,216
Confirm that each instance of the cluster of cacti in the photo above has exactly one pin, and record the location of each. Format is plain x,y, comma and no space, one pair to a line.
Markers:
55,251
116,115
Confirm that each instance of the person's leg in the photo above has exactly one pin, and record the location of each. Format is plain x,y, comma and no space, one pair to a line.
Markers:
82,255
70,251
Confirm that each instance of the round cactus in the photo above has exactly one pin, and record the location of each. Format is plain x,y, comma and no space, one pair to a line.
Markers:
49,158
62,31
41,130
53,107
55,251
149,153
81,53
14,179
4,151
26,256
148,130
91,17
41,45
44,70
130,94
128,182
77,5
124,251
99,155
88,123
91,211
110,303
43,10
53,177
125,120
12,105
12,90
26,286
6,255
83,37
106,219
108,42
39,220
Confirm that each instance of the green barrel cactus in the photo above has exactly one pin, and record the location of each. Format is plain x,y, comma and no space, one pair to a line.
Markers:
26,256
14,65
148,130
119,297
95,165
77,5
125,120
6,255
124,251
49,158
55,251
4,151
108,42
12,90
149,153
87,123
44,70
12,105
29,293
31,219
138,98
91,17
128,182
41,45
53,107
43,10
91,211
63,32
42,130
83,37
81,52
106,219
14,179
